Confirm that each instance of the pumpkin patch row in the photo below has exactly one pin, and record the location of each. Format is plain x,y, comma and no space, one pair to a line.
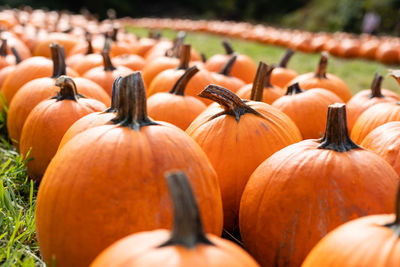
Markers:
385,49
130,136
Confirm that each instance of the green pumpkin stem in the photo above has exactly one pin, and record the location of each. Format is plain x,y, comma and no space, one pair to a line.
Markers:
227,68
231,103
268,77
322,65
108,66
228,48
88,38
3,48
286,57
259,80
68,89
336,134
18,58
187,229
115,95
294,89
184,58
58,58
376,86
180,85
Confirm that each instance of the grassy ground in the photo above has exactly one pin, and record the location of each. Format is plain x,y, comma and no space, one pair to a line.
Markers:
357,74
18,245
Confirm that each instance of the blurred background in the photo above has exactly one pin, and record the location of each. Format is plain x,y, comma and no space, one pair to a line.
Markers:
311,15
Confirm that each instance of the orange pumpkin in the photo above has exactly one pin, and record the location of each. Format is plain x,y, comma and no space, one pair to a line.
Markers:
185,245
322,79
224,78
371,241
367,98
96,189
305,190
244,69
131,61
67,41
48,122
281,75
5,58
176,107
4,72
307,108
249,132
261,89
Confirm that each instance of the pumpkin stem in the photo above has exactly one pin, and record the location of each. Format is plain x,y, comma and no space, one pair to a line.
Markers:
226,69
88,38
114,34
58,57
395,226
18,58
3,48
203,57
175,50
153,34
376,86
67,89
184,58
259,80
286,57
294,89
231,103
187,229
395,74
322,65
268,77
115,95
108,66
228,48
141,114
180,85
336,134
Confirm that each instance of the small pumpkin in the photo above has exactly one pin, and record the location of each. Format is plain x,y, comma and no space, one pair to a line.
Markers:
224,78
322,79
48,122
237,136
281,75
300,193
4,72
186,244
175,107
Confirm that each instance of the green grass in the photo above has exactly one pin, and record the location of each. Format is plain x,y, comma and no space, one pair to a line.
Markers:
356,73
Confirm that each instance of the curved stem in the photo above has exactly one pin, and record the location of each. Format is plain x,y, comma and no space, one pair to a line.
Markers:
268,77
294,89
67,89
231,103
89,44
336,134
115,95
188,228
18,58
259,80
3,48
322,65
376,86
108,66
395,74
226,69
180,85
184,58
58,58
395,226
286,57
228,48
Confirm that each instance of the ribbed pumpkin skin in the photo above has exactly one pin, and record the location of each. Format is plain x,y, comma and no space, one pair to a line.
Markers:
236,149
364,242
35,91
331,83
385,141
281,76
373,117
175,109
108,182
361,101
270,94
46,125
302,192
308,110
141,250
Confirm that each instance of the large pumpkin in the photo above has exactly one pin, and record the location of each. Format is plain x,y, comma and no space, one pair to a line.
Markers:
107,182
48,122
372,241
237,136
185,245
305,190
